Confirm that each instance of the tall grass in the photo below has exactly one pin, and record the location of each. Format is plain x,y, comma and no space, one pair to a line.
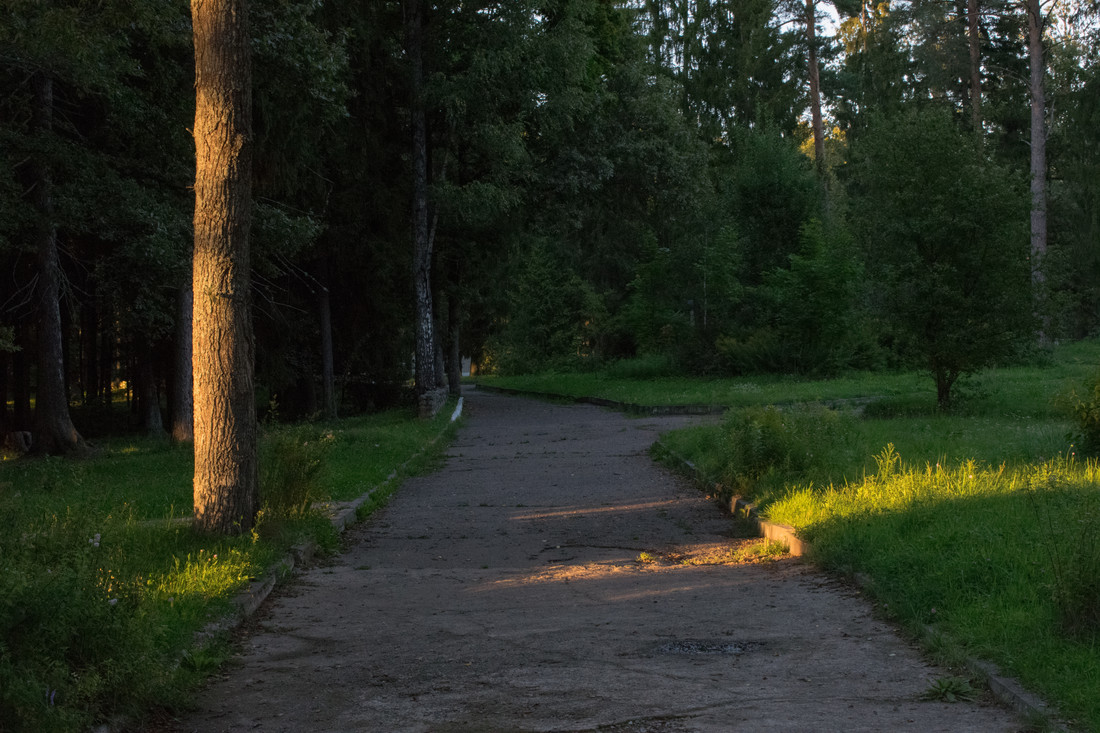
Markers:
103,585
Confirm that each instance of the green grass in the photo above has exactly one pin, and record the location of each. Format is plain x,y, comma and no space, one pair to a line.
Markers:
978,530
721,392
103,585
1014,391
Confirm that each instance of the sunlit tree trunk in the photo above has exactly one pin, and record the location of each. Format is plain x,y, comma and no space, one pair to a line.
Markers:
54,431
1035,23
225,485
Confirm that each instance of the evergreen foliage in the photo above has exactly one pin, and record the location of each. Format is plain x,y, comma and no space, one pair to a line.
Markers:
645,159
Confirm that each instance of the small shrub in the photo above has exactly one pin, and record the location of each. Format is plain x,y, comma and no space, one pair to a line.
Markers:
650,366
1085,407
950,689
291,468
769,442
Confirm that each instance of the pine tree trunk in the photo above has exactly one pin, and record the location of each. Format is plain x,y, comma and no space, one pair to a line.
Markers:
422,248
54,431
152,421
815,86
183,414
1038,161
328,382
225,486
974,38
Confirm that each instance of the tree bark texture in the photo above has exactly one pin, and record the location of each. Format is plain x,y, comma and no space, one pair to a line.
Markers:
54,431
974,38
422,247
1035,26
183,414
815,86
225,485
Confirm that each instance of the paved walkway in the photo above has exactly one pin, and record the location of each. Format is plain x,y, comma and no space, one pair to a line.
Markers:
505,593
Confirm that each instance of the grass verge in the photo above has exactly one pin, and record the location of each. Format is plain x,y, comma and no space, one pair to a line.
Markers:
103,587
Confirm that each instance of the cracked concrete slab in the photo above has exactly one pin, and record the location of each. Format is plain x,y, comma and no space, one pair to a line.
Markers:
508,592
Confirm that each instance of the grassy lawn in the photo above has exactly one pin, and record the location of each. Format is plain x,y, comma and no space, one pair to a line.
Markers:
103,585
1030,391
977,530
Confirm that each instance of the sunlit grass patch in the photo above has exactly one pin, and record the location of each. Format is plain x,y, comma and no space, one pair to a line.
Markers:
1001,560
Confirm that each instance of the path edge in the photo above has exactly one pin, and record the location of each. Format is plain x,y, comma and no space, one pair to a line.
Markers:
1008,690
343,515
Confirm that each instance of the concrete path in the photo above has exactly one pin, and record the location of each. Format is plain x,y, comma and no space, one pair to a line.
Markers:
505,593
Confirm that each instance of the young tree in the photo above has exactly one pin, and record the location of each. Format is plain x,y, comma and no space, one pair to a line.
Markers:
225,485
943,233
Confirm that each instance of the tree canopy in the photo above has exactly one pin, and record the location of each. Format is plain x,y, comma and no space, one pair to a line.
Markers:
600,179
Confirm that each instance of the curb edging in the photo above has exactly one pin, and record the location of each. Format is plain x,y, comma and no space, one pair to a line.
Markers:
739,507
247,601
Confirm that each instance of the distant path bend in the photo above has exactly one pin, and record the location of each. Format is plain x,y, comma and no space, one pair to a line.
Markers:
551,577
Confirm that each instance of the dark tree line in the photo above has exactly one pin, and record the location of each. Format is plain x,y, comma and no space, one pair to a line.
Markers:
724,187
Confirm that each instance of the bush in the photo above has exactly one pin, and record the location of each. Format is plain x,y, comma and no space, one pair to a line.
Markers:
768,446
945,240
1086,412
291,467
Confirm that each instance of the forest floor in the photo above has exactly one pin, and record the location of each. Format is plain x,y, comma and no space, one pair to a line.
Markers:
551,577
